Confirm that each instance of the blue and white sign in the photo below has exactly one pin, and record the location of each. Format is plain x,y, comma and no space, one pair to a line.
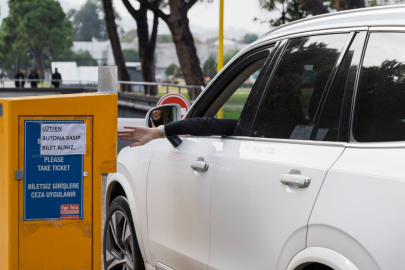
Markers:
53,184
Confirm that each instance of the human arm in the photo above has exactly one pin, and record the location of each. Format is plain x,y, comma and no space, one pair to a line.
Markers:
205,126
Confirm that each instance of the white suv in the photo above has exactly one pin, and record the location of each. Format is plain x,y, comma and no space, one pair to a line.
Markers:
314,176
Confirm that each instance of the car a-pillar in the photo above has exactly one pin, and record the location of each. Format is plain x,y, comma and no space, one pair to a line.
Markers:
53,152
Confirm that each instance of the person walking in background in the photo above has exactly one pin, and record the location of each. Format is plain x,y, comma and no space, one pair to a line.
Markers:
56,78
19,78
34,77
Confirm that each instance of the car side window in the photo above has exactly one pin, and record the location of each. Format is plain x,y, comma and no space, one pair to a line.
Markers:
379,113
329,125
291,102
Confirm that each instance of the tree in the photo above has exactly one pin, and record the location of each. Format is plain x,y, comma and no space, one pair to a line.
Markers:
82,58
18,58
210,68
123,74
173,69
292,10
131,55
249,38
36,26
178,24
348,4
314,7
229,55
89,22
146,42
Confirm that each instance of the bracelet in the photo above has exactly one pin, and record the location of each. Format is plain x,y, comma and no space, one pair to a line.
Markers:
162,131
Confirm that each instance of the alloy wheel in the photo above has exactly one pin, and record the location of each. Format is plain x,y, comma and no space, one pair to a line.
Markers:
119,244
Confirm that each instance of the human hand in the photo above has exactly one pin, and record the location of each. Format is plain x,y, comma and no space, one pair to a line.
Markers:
139,135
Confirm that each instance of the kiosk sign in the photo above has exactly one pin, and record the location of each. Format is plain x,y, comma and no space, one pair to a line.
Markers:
63,139
53,169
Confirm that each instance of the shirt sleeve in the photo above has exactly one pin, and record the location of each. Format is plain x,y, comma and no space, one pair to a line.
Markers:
205,126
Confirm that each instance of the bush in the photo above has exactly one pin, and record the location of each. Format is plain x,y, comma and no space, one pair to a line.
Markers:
131,55
174,70
229,55
164,39
210,68
249,38
82,58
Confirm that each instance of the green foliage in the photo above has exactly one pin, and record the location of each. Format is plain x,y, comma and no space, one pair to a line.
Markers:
131,55
229,55
210,68
164,39
174,70
38,26
290,10
89,22
82,58
130,35
249,38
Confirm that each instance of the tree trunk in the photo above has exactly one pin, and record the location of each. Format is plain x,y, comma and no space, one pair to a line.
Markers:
39,58
147,49
314,7
187,54
146,44
178,24
16,66
349,4
123,74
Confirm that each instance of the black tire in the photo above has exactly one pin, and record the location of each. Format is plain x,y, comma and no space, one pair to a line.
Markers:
317,266
122,251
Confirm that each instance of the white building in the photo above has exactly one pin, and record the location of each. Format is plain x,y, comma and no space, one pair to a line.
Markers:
165,52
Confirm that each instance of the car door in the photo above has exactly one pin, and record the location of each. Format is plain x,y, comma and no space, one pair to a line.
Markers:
179,197
267,180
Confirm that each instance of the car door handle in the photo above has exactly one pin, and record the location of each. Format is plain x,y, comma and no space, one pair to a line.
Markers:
200,165
298,180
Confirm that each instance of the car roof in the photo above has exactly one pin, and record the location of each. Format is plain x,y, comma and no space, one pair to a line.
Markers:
393,15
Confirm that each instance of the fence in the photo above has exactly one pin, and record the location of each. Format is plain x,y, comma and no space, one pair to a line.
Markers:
27,83
135,87
146,87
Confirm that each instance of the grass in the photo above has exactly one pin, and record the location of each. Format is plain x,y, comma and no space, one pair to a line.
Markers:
232,114
162,90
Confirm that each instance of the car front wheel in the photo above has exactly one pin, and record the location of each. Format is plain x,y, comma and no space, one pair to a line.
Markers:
120,247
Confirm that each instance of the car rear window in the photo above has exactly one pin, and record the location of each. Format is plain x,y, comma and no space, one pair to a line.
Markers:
379,114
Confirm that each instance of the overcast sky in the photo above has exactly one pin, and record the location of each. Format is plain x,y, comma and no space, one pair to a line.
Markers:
204,17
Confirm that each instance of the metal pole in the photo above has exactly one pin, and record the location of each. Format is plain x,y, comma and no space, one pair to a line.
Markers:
220,113
179,90
167,89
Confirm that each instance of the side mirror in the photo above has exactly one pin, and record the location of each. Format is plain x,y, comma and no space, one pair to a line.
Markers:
162,115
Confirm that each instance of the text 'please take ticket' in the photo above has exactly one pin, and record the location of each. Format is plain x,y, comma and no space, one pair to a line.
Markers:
63,139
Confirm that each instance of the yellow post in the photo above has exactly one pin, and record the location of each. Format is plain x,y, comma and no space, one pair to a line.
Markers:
220,113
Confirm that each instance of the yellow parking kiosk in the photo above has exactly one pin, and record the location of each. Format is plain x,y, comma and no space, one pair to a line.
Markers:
53,151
